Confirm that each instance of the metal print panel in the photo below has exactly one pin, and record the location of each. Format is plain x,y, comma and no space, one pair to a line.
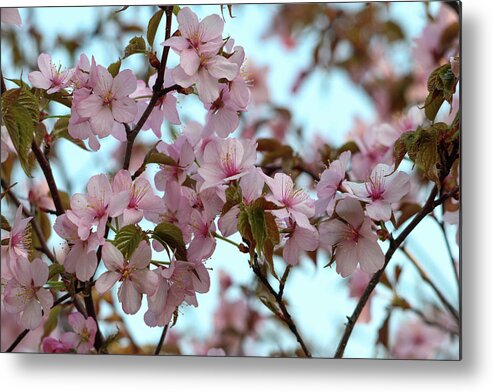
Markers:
271,180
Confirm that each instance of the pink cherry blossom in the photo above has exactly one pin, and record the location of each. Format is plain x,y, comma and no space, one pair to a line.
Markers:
299,238
200,63
7,147
383,188
82,339
417,340
25,295
48,77
110,105
330,182
81,257
222,116
180,151
39,196
226,160
51,345
203,243
19,240
80,127
295,202
165,107
10,16
353,239
238,87
134,274
94,208
142,200
177,283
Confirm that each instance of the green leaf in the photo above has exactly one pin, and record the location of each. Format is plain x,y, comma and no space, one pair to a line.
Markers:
171,236
52,321
5,224
176,9
160,158
441,87
256,219
114,68
20,114
153,26
136,45
54,270
233,197
127,239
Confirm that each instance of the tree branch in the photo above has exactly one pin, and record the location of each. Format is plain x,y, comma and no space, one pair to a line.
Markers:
161,340
46,168
286,317
427,208
428,280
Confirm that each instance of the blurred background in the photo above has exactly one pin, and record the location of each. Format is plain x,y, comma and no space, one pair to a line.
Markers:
319,73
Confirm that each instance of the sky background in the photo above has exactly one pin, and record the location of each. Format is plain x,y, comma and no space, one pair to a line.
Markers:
318,297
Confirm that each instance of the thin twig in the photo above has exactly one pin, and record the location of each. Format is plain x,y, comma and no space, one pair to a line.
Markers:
46,168
428,280
448,246
286,317
161,340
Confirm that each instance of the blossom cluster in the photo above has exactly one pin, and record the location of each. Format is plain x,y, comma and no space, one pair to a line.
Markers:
208,186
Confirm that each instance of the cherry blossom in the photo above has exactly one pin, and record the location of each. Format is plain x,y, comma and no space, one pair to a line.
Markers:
222,116
180,151
354,241
49,77
295,202
19,240
299,238
165,107
226,160
110,106
82,339
94,208
81,256
134,274
25,295
177,283
7,147
383,188
330,182
52,345
142,202
416,340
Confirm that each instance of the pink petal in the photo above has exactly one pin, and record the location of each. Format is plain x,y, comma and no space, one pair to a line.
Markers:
32,316
188,21
39,272
189,61
210,28
124,84
124,109
90,106
219,67
351,211
130,298
38,80
145,281
106,281
207,86
176,43
112,257
346,258
141,256
370,255
118,203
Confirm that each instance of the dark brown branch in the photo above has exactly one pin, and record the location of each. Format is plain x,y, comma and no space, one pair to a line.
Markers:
158,92
161,340
46,168
427,208
286,317
39,233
